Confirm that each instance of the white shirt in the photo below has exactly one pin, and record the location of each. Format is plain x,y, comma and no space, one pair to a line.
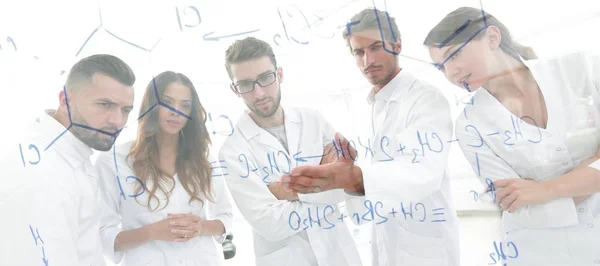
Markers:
49,201
407,176
499,145
125,209
283,232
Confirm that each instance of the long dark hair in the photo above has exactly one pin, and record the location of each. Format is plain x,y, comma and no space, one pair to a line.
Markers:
463,23
192,165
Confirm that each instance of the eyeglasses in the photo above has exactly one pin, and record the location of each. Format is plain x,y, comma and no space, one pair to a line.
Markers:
248,86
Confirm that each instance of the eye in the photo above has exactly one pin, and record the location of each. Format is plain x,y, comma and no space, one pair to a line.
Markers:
127,110
376,47
359,53
455,54
105,105
187,106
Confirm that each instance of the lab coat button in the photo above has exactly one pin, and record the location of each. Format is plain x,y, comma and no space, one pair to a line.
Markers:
565,163
581,209
559,149
597,261
590,225
180,261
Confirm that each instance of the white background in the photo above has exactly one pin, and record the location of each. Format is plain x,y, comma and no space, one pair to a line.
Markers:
49,37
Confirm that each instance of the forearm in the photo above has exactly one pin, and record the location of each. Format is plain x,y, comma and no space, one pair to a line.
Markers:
213,228
578,183
132,238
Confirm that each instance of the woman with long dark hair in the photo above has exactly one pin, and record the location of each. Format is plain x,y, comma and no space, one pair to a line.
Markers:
531,133
160,187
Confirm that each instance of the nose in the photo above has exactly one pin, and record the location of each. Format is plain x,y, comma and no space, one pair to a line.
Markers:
368,59
452,72
117,118
259,92
176,107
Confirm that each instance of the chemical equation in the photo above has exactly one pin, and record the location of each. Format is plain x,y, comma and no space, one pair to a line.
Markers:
374,213
292,15
499,256
36,236
279,162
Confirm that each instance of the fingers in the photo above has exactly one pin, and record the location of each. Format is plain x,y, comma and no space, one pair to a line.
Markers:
184,217
182,223
515,205
502,182
185,239
345,145
181,233
302,189
309,171
508,201
500,195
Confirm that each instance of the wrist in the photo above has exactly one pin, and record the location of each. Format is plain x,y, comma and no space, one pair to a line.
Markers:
145,233
356,186
554,188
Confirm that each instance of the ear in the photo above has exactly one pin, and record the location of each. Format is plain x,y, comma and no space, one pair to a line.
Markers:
280,74
398,46
62,99
234,91
493,37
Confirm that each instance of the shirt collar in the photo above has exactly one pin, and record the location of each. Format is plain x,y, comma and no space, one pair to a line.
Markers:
56,136
386,93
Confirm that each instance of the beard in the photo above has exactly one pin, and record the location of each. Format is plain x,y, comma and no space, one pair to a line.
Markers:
267,113
387,77
92,138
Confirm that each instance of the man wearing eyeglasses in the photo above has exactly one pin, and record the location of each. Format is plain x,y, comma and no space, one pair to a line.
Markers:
268,141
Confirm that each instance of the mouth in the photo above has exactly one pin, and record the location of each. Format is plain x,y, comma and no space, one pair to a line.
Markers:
173,122
372,70
262,103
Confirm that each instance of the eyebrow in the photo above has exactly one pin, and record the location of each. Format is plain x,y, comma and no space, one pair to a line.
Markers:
106,100
370,45
171,98
259,75
445,54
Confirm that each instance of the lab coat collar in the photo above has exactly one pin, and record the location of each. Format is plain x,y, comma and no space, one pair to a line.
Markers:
402,81
55,136
249,129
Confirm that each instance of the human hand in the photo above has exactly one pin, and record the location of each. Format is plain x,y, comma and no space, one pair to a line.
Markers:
176,228
515,193
342,151
282,193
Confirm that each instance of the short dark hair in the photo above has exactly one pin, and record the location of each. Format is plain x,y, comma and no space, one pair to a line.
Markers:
247,49
109,65
468,23
372,18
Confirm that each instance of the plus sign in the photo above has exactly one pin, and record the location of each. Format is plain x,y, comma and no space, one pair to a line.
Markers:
342,217
393,213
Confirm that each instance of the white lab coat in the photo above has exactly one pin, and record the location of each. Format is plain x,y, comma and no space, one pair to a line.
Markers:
255,158
407,177
126,210
557,232
48,201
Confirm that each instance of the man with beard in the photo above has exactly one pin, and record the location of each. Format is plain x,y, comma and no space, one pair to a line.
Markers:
267,139
413,116
48,192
